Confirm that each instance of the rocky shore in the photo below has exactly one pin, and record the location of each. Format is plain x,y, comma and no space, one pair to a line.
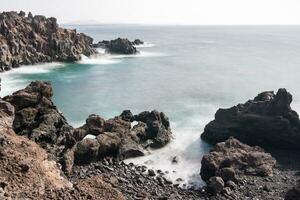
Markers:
43,157
86,162
26,39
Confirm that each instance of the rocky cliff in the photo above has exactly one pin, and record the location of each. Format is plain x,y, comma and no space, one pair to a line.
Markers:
33,39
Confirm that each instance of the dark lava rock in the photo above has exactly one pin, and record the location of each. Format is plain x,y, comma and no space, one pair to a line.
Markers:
36,116
266,121
231,158
33,39
215,185
151,172
116,138
137,42
118,46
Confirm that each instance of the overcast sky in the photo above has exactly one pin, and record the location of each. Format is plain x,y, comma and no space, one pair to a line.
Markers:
163,11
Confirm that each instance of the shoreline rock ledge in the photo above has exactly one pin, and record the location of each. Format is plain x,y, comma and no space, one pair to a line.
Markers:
35,39
266,121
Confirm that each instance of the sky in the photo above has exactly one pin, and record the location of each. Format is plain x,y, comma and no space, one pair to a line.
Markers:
180,12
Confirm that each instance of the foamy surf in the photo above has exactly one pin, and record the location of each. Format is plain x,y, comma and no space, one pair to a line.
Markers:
145,45
12,80
100,59
188,150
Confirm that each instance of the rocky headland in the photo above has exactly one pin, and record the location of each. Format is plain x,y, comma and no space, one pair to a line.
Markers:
26,39
32,39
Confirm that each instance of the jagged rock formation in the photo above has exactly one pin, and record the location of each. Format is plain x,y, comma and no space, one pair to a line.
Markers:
27,173
119,46
38,118
118,138
33,39
231,159
266,121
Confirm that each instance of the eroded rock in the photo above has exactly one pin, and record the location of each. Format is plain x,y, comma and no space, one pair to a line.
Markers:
34,39
266,121
232,158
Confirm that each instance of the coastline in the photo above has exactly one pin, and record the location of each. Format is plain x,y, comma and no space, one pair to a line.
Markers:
95,150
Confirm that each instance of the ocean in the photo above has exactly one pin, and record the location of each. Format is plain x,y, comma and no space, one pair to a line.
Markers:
187,72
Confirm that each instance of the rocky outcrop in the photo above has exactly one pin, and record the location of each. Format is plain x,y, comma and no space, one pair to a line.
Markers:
27,173
137,42
119,46
118,138
231,159
266,121
37,117
33,39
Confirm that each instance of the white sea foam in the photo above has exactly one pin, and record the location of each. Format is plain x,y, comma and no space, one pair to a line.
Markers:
100,59
145,45
140,54
34,69
187,147
12,80
107,59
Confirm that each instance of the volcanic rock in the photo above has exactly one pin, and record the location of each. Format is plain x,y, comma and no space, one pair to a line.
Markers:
34,39
232,158
118,46
266,121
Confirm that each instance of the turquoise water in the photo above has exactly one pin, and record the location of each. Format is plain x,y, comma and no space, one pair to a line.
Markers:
187,72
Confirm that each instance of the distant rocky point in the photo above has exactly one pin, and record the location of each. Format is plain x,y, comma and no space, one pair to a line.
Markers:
119,46
266,121
33,39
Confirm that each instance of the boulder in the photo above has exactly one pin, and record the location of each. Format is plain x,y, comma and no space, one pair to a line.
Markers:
215,185
232,158
86,151
266,121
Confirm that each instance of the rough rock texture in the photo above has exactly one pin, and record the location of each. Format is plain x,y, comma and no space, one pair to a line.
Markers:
231,158
32,39
266,121
26,172
119,46
117,138
37,117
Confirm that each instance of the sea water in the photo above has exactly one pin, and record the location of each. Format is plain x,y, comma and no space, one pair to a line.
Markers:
188,72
